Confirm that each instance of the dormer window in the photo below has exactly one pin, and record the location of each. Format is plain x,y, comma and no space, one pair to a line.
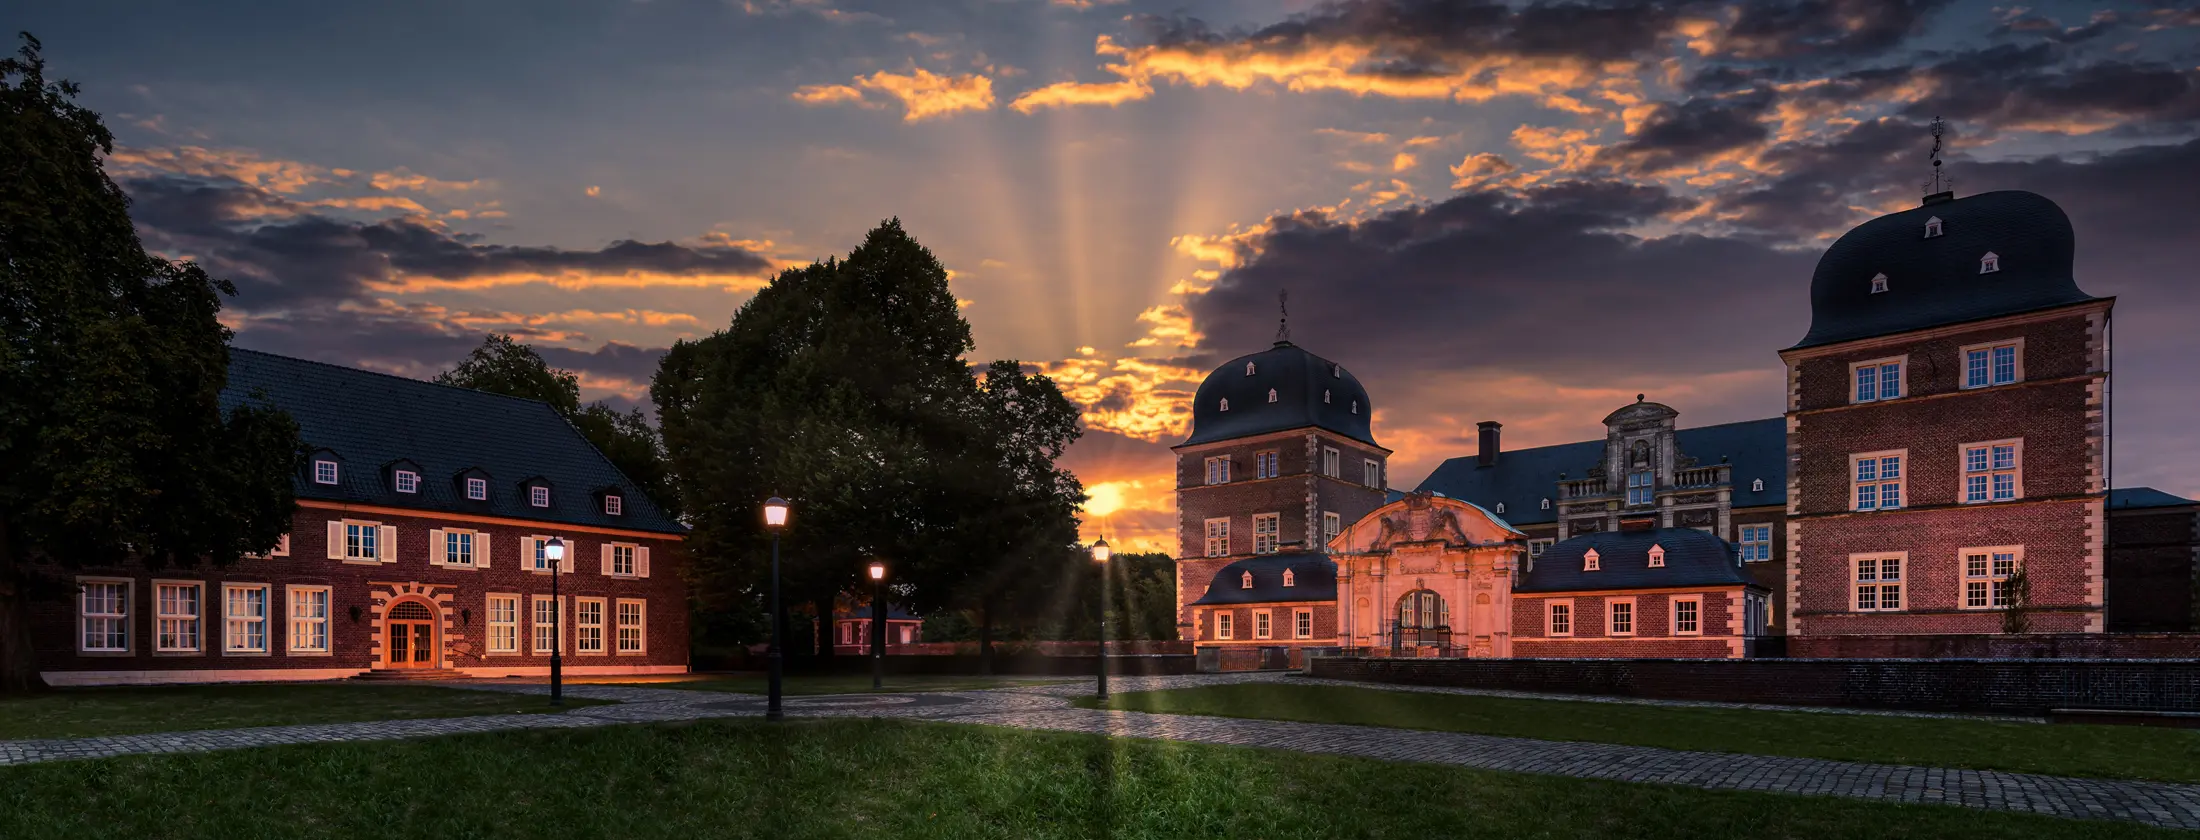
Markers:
1589,561
1245,581
1248,368
1879,283
539,496
1989,264
1290,579
1932,227
477,489
1546,504
1271,395
1325,396
1657,556
1757,486
1500,507
406,481
1355,406
1225,405
613,505
324,472
1336,371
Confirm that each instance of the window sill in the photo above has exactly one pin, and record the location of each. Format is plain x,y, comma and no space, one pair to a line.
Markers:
360,562
170,654
105,653
307,653
247,654
456,567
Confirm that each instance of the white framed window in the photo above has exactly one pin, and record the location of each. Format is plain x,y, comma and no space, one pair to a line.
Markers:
354,541
1332,525
1264,465
1988,365
324,471
244,618
1218,470
1878,582
1325,396
1249,368
1225,405
1336,371
1756,543
1546,504
1218,537
103,616
1332,462
538,496
1271,395
1500,508
503,623
632,615
1641,487
1878,379
1622,614
1355,406
1372,470
1932,227
613,505
1261,628
1224,625
1878,480
1245,581
477,489
1559,618
176,616
1688,615
1757,486
1290,578
406,481
1589,561
308,618
1657,556
1264,532
588,622
1302,624
1536,547
1986,573
546,626
1993,471
622,560
1879,283
1989,263
458,548
536,549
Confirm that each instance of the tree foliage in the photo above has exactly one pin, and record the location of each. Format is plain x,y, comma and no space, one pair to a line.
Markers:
113,444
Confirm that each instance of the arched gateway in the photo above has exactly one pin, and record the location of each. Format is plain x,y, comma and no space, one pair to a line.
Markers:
1426,575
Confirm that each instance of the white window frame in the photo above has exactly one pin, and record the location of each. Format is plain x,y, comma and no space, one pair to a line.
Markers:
1879,482
1874,579
1879,284
1372,470
351,545
1332,462
1933,227
1878,382
1984,469
1558,618
538,496
1590,561
300,622
1989,263
614,505
1245,581
237,627
538,629
1694,625
1218,469
1218,536
1225,625
326,471
1993,366
1290,579
1266,539
536,559
1986,584
1264,624
474,542
477,489
1749,529
120,618
1266,464
494,645
1642,487
1332,525
1657,556
193,621
1271,395
640,626
1619,617
405,481
586,643
1537,546
1302,624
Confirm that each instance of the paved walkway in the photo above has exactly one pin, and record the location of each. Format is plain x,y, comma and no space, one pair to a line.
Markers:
1047,708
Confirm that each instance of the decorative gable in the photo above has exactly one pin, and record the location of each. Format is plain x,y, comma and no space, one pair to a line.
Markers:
1657,556
1589,561
1290,579
1246,581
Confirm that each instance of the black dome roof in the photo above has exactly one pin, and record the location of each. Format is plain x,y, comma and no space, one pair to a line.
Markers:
1935,281
1310,391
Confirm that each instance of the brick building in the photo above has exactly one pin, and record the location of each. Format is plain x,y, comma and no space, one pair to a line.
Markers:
422,515
1638,591
852,628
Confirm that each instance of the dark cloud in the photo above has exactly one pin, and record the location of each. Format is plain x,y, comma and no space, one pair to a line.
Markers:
1820,183
2016,87
1678,135
1422,35
2052,29
1823,29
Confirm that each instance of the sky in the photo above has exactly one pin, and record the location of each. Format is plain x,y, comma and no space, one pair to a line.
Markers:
1525,212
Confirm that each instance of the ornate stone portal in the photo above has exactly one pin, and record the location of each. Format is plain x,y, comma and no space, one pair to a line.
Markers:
1427,575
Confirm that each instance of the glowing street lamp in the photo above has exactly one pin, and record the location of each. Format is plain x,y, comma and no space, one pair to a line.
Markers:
878,623
1100,554
775,520
554,551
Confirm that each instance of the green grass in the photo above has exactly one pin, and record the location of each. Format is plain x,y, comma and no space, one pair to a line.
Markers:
854,683
901,780
2116,752
82,712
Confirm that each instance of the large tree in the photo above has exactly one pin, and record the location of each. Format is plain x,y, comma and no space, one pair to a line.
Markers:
113,445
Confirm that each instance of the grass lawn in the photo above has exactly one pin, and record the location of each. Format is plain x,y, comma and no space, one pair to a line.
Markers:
2119,752
80,712
902,780
853,683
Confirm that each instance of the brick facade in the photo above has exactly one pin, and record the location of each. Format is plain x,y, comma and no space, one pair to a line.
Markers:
1719,622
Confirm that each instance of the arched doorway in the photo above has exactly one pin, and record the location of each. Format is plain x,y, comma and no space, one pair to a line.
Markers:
1423,619
408,636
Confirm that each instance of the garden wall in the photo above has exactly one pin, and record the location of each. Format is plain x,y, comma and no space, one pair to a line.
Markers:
2000,646
1990,686
1014,665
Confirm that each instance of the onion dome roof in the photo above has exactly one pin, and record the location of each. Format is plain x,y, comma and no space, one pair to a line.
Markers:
1281,388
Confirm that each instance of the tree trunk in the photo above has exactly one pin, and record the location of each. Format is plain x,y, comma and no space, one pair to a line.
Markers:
985,637
18,661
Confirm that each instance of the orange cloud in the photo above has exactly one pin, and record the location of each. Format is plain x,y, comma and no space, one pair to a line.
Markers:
827,94
571,281
1479,170
406,179
922,93
1069,94
242,165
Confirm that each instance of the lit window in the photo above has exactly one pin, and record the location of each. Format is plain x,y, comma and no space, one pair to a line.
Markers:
1332,525
1623,618
1989,264
1641,487
588,621
309,619
1271,395
176,617
614,505
1989,366
546,625
1265,528
1260,625
1756,543
538,496
1248,368
1289,578
1223,626
504,624
1878,584
324,472
1372,471
1657,556
1986,573
1218,470
1932,227
1685,616
1878,380
1879,283
1302,624
477,489
1589,561
1562,619
1246,581
1992,472
1264,465
1218,537
1878,481
407,481
104,616
1225,404
245,618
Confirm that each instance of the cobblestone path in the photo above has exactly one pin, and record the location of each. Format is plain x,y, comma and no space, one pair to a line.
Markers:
1046,708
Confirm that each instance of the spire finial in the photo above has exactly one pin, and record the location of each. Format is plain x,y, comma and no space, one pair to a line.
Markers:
1283,323
1939,184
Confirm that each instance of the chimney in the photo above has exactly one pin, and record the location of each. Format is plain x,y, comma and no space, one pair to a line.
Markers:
1486,456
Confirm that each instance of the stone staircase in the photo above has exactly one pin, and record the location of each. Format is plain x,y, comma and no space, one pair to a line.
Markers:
406,674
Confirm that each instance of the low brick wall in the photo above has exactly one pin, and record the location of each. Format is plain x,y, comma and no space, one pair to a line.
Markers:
2029,646
1991,686
1024,665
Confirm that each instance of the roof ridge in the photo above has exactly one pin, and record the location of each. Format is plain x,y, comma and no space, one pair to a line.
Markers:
401,378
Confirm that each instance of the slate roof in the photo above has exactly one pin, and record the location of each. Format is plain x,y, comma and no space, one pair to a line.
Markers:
1300,380
371,420
1692,558
2135,498
1314,578
1521,479
1936,281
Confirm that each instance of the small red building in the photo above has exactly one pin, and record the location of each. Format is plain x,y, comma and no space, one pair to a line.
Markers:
852,628
1638,592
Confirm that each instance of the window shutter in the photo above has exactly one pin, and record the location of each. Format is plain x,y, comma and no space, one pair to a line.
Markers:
566,566
603,559
437,552
641,561
335,539
385,544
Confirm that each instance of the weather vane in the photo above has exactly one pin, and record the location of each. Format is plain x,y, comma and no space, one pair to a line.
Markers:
1939,183
1283,323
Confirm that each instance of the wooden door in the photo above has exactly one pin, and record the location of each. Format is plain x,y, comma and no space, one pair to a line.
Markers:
409,637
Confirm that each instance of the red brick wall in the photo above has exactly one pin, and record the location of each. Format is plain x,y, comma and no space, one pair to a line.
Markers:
1655,648
1244,496
461,593
1325,624
2153,570
2053,535
1770,574
1592,619
2184,646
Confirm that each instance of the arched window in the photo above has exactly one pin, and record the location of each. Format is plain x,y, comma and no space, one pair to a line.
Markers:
1932,227
1336,371
1325,396
1225,404
1271,395
1879,283
1290,579
1989,264
1246,581
1248,368
1422,610
1500,507
1355,406
1657,556
1546,504
1757,486
1589,561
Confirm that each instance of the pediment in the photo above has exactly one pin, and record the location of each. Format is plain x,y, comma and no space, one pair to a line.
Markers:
1422,519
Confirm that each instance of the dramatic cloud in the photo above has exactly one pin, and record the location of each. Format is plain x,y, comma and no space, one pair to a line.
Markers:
922,93
1827,29
1677,137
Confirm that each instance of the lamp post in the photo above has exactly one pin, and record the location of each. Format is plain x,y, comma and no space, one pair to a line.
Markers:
1100,554
775,520
554,551
878,624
